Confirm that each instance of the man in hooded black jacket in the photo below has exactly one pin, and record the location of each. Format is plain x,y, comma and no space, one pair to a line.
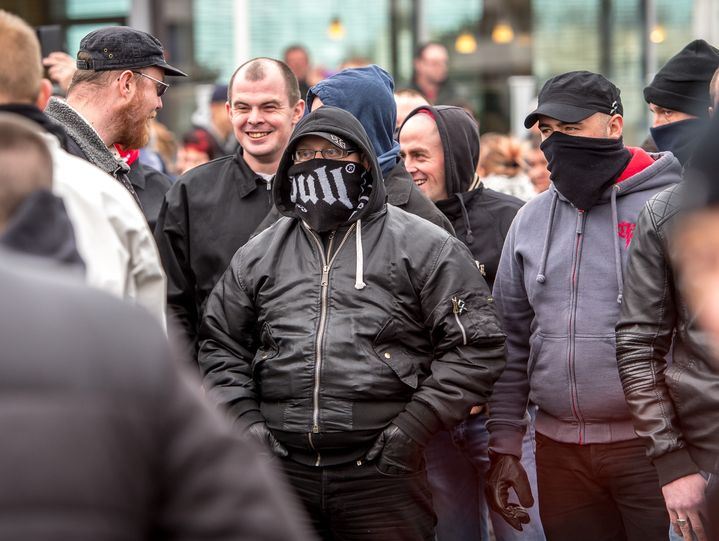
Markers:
440,148
343,346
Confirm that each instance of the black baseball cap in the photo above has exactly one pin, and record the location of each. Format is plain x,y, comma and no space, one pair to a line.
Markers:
122,47
574,96
332,138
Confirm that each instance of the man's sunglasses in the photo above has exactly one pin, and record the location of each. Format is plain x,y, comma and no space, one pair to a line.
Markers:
159,85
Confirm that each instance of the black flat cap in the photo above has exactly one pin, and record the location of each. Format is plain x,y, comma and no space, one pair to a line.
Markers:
574,96
122,47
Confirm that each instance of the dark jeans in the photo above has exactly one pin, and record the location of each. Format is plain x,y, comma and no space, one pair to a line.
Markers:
457,464
607,491
357,502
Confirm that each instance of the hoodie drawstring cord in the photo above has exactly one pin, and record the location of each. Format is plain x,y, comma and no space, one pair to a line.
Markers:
541,278
359,269
617,251
469,237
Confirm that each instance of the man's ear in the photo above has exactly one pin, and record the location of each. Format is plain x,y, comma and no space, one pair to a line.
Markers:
298,111
125,84
615,127
43,96
711,111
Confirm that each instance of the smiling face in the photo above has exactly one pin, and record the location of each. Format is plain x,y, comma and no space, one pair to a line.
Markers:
423,155
262,117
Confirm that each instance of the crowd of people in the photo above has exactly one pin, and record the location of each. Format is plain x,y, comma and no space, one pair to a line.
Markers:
354,318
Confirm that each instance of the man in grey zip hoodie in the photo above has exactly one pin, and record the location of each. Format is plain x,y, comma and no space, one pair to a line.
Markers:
559,289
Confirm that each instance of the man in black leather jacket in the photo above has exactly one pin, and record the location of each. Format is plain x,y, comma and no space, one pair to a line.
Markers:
347,334
675,405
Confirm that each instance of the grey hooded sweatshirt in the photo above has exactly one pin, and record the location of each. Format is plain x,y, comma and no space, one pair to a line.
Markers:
559,289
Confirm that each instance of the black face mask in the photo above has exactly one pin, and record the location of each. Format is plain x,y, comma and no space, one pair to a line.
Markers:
678,137
582,168
329,193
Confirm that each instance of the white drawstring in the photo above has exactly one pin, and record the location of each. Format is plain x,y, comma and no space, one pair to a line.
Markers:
359,272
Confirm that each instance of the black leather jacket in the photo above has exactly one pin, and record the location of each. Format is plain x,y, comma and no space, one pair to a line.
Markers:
675,405
290,339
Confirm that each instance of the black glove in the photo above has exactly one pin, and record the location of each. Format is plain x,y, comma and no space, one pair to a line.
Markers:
506,471
261,434
398,453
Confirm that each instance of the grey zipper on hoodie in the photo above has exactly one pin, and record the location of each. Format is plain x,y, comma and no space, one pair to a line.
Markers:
558,289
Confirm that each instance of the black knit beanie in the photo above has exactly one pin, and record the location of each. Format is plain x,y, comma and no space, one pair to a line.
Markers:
683,82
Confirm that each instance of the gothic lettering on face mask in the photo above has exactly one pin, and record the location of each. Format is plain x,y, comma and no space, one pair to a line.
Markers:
329,193
582,168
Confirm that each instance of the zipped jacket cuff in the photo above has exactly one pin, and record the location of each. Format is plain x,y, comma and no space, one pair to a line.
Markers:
244,413
674,465
419,422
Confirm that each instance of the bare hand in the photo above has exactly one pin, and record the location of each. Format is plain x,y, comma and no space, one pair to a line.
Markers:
60,68
685,500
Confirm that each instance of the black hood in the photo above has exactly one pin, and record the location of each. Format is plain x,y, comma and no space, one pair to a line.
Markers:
459,134
344,125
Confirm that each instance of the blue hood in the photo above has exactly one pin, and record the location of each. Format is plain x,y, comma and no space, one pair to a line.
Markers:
366,93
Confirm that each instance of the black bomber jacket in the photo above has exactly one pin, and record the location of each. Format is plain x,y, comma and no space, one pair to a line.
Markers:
675,405
289,338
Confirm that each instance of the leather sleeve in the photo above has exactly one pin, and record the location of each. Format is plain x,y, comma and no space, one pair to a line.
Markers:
227,349
644,337
468,345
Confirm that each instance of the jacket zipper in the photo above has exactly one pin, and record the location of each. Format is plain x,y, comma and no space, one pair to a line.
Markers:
324,294
572,326
458,307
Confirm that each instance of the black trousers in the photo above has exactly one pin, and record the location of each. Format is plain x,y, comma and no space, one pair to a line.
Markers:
357,502
599,492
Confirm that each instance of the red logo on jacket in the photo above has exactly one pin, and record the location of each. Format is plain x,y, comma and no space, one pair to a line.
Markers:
625,231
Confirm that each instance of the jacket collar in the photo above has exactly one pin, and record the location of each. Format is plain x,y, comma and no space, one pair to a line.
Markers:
241,173
86,138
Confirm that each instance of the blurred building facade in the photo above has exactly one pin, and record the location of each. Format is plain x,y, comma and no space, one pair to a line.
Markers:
500,50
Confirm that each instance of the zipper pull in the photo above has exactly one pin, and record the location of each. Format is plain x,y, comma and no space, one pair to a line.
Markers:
458,306
325,275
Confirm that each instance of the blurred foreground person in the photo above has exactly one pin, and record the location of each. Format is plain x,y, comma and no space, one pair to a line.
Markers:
105,439
32,219
213,209
114,94
440,148
559,292
670,302
678,98
348,333
111,233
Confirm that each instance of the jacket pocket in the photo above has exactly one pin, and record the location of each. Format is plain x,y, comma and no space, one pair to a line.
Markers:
548,376
268,348
388,348
535,350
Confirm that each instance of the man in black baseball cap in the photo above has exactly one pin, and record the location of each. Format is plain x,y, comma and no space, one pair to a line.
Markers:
559,290
112,97
678,98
